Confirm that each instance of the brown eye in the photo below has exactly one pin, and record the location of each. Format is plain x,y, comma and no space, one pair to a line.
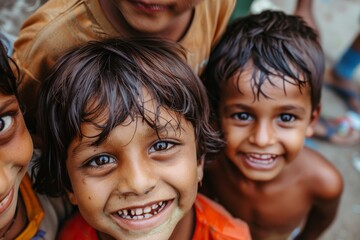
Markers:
161,146
101,160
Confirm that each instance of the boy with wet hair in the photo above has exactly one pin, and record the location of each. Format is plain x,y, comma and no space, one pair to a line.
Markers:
23,213
60,25
264,81
125,127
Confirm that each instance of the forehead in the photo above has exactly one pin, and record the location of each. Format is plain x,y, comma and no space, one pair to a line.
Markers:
156,118
247,82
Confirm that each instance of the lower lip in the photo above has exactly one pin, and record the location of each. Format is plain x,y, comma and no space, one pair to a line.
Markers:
8,202
150,8
260,164
146,224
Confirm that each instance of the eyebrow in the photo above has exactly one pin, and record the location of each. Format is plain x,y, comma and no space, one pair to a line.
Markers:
301,110
149,132
5,104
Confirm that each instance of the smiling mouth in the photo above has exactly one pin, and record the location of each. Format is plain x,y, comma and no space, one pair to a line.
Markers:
142,212
6,201
152,7
263,161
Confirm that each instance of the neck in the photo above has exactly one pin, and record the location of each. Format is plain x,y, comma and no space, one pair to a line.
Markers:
13,229
185,228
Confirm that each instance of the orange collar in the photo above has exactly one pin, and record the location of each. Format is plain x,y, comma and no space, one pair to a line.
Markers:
33,208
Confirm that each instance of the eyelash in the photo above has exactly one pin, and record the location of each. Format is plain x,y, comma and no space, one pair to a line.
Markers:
90,162
169,145
292,117
242,116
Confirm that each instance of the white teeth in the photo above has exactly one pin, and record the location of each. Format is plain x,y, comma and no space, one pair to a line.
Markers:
138,211
142,213
147,209
5,200
261,156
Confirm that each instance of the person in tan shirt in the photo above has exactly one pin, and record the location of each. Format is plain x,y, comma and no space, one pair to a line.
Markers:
60,25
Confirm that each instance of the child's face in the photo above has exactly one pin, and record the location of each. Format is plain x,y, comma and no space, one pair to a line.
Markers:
265,135
15,154
134,185
155,16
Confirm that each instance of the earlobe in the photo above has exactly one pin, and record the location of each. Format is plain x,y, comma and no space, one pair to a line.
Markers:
71,197
200,170
315,115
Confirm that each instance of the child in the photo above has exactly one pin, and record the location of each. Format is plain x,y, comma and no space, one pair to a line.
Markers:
21,210
61,25
264,80
125,127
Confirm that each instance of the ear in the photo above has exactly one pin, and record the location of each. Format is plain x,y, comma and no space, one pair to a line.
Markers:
315,115
200,169
71,197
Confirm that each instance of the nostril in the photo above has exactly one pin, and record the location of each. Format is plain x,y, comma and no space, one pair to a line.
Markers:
149,190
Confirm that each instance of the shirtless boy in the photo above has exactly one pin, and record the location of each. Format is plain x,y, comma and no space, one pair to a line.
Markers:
264,80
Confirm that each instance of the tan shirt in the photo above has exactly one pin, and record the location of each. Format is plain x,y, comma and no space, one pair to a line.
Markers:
59,25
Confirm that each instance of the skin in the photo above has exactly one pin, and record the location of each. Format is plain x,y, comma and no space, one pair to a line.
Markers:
273,181
168,19
15,154
132,169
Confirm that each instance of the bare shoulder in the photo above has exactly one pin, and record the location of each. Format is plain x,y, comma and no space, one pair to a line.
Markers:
322,177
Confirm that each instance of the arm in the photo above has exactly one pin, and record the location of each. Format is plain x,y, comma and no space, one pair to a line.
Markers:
326,193
320,217
304,9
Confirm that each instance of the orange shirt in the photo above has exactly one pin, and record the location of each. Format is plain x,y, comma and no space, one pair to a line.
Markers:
213,222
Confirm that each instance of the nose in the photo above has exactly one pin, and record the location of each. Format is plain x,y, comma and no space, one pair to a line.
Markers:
263,134
137,175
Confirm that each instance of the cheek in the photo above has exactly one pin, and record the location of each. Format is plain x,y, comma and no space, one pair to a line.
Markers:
21,149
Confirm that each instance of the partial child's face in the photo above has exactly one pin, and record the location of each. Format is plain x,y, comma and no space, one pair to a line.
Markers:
265,135
15,154
135,185
154,16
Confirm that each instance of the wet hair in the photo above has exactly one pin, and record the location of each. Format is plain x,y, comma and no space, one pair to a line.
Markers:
108,78
277,45
8,80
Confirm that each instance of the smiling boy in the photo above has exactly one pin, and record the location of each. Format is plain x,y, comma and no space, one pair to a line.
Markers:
60,25
23,213
125,123
264,80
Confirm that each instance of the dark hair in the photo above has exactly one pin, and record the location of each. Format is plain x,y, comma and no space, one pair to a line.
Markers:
277,44
8,80
110,75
